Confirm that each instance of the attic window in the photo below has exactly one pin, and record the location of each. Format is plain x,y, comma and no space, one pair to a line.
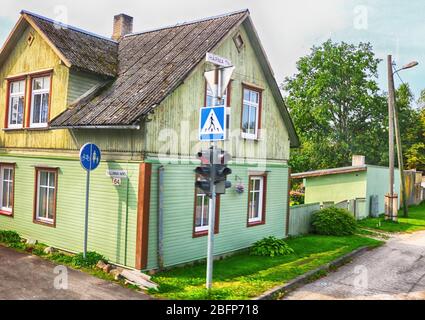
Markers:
239,43
30,39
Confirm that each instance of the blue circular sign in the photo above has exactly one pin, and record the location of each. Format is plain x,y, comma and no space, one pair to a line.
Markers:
90,156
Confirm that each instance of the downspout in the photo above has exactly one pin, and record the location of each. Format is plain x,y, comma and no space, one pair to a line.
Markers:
161,217
288,205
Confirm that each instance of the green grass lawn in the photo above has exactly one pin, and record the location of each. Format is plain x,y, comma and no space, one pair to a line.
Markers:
415,221
244,276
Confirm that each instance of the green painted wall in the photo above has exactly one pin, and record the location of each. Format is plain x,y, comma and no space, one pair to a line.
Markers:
79,83
112,224
335,187
378,184
174,125
179,192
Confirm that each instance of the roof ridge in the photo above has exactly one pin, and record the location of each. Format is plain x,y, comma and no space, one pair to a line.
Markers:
189,22
67,26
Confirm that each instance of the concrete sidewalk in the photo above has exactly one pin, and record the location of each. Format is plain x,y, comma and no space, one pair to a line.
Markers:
394,271
27,277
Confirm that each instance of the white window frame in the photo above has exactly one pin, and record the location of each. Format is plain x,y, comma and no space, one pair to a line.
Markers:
260,199
41,92
16,95
256,105
6,209
49,188
203,227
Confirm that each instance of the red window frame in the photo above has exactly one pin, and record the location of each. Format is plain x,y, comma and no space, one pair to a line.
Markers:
8,83
9,214
36,190
31,77
263,209
28,99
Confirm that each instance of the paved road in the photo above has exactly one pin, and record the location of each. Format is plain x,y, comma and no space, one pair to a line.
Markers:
25,277
393,271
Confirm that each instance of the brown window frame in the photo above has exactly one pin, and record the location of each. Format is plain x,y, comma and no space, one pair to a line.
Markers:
9,214
264,200
36,190
260,109
198,234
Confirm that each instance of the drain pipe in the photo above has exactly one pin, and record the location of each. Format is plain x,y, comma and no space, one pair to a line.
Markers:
161,217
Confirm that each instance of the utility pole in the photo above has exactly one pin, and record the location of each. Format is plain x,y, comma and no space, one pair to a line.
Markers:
400,160
391,102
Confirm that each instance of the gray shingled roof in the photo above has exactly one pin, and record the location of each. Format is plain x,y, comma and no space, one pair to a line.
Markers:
82,49
151,65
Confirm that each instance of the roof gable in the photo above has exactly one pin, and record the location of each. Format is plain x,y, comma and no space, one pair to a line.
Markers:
75,47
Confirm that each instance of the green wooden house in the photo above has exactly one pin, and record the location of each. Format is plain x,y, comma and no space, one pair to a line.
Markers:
137,96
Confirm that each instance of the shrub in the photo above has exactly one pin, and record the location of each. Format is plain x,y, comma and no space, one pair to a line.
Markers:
296,198
9,237
334,221
92,258
271,247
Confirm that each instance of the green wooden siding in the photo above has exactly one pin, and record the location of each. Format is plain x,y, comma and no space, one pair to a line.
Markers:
335,187
378,182
113,209
80,83
180,246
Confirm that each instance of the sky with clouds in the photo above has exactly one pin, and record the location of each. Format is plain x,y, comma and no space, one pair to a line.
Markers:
287,28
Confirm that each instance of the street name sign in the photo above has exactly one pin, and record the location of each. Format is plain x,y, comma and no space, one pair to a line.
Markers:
117,173
218,61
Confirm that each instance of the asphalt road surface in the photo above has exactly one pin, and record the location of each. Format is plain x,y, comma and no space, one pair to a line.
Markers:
26,277
393,271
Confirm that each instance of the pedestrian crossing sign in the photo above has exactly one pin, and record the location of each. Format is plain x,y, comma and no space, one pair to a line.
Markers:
212,124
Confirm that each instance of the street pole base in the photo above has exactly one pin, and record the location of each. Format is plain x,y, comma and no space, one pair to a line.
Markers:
391,207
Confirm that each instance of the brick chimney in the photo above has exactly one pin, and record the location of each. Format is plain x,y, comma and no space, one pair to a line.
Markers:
123,24
358,160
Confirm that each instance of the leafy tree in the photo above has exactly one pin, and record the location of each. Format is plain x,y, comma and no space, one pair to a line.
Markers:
336,106
415,138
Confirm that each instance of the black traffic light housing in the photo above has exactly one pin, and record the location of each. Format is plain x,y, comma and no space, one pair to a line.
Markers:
213,168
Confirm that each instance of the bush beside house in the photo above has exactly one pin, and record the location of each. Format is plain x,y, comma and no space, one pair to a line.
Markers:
334,221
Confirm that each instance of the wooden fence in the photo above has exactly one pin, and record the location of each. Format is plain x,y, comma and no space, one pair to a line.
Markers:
300,216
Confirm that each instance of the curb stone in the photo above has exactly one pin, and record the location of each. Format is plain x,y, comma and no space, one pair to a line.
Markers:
306,277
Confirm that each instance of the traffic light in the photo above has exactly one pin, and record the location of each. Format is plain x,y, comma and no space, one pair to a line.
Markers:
203,182
213,168
222,171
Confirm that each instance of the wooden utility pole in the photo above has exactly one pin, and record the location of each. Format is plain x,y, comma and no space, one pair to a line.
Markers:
391,103
400,159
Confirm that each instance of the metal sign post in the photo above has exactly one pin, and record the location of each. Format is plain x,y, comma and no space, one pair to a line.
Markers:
90,156
211,222
211,133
